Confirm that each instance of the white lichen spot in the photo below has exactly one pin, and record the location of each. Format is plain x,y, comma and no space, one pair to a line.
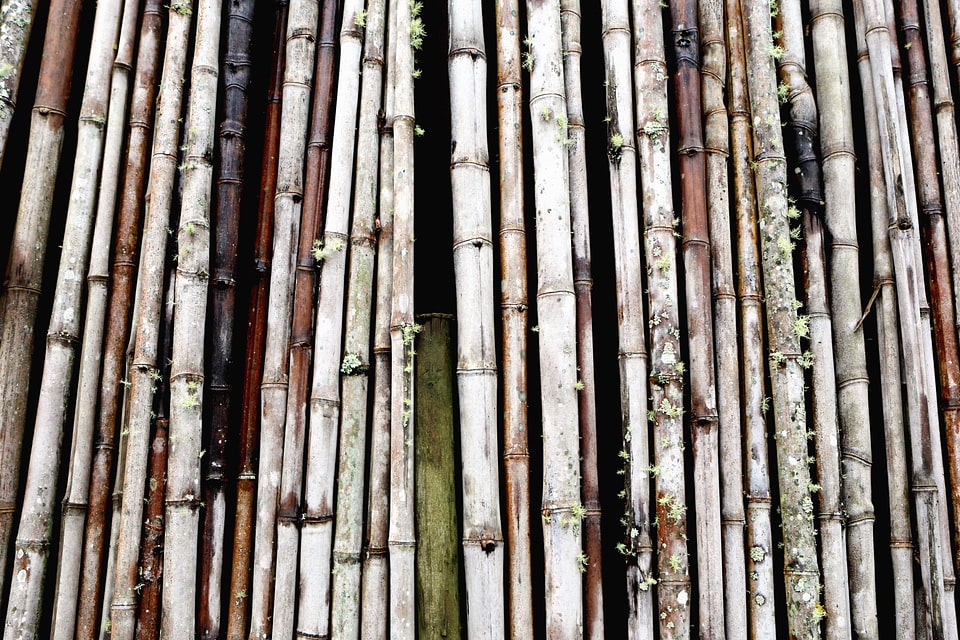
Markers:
22,576
682,597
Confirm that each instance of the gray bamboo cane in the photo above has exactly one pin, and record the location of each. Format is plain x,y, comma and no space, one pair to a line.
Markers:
16,23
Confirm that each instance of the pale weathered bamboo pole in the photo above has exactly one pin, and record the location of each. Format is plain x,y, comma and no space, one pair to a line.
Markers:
403,332
76,499
143,371
187,376
802,571
355,364
118,316
575,139
24,603
761,607
231,147
556,313
513,310
240,575
16,23
482,537
24,274
901,536
802,125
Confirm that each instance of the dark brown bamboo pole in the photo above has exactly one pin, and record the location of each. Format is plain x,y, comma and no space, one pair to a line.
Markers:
22,285
125,258
801,567
238,611
438,584
583,288
15,27
513,310
237,68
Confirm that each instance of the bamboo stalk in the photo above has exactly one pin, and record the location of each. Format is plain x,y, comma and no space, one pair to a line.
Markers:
438,596
16,23
513,311
583,288
476,349
561,512
237,70
802,113
240,575
761,607
298,75
801,568
143,370
403,331
23,281
36,519
76,500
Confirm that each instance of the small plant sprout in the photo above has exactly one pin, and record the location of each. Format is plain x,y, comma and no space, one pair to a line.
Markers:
351,365
418,131
647,582
578,385
526,58
360,18
783,92
582,562
757,554
616,141
806,359
801,326
417,30
546,113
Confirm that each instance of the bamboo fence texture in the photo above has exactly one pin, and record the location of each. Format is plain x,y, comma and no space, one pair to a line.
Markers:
691,370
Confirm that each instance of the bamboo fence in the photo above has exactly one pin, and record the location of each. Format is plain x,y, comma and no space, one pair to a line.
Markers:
734,382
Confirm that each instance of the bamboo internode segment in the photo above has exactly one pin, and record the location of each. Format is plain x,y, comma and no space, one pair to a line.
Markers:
235,366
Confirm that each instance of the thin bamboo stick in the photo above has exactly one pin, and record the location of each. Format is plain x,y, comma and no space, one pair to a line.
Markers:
22,285
556,313
583,288
801,568
143,371
240,575
513,311
482,540
16,23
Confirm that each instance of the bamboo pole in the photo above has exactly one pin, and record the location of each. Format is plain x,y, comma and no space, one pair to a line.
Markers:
403,331
355,363
238,614
16,23
513,311
802,124
437,595
561,512
76,500
36,519
374,596
801,568
125,257
143,371
22,284
237,70
583,288
476,349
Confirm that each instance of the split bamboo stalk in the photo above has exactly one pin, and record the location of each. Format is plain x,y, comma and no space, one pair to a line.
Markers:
636,545
36,519
901,231
295,107
317,532
838,165
802,125
183,497
125,257
23,281
575,139
438,583
713,75
16,23
76,500
761,607
143,371
704,418
482,540
401,540
355,364
561,512
237,70
801,568
238,611
513,311
374,597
